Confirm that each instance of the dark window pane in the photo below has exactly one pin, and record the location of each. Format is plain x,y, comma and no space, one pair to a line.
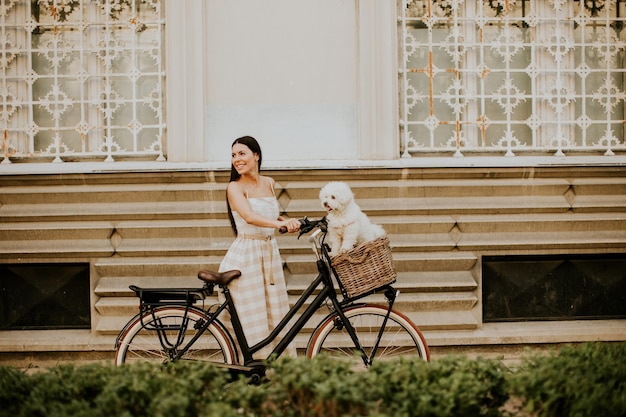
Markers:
44,296
564,287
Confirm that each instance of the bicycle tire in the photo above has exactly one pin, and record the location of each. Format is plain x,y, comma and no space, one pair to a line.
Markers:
400,338
139,341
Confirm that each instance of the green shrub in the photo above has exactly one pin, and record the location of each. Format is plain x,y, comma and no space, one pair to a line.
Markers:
300,387
451,386
178,390
14,390
575,381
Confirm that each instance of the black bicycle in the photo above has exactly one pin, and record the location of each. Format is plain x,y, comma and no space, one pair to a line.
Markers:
177,324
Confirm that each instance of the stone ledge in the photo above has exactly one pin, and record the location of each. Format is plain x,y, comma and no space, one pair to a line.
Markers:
530,333
527,333
415,162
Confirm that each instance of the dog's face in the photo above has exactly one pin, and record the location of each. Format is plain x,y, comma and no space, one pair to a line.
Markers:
335,197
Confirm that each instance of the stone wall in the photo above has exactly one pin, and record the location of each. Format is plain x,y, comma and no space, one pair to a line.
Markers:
160,228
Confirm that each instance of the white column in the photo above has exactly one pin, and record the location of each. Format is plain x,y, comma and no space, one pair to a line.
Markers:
184,91
378,80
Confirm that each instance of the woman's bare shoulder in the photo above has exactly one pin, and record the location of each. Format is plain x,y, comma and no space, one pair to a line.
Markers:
234,186
269,180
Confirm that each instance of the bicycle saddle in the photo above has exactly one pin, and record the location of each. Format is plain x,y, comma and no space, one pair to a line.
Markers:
219,278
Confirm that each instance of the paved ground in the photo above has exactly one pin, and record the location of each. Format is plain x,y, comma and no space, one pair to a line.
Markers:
510,355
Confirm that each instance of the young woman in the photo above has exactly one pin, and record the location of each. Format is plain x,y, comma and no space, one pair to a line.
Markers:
260,294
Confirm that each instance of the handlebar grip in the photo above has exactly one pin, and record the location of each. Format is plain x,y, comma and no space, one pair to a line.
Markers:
283,229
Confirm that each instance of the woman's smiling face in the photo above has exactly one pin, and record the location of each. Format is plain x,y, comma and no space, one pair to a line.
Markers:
244,160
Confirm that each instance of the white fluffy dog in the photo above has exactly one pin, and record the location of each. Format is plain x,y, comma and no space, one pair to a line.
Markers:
348,226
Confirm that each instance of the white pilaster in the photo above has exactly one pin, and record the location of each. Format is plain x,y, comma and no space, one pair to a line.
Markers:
185,81
378,80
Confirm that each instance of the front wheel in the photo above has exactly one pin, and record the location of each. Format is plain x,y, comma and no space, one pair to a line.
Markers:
400,338
160,335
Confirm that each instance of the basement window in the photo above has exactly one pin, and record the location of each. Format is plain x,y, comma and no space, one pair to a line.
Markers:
44,296
554,287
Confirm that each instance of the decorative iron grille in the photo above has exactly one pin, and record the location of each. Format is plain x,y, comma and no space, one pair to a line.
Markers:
81,79
512,76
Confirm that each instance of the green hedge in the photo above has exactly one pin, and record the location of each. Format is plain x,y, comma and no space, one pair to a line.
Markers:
575,381
578,380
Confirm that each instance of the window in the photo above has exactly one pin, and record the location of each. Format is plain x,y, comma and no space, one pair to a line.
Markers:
44,296
554,287
81,79
511,77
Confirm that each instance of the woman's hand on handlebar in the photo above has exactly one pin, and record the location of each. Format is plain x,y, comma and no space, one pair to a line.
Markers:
289,225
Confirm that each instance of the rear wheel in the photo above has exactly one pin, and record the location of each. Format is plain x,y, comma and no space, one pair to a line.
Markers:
159,336
400,338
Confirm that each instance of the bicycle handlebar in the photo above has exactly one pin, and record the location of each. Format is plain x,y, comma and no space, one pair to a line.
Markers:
307,225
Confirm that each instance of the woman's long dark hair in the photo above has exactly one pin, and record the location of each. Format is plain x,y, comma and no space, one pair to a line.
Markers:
254,146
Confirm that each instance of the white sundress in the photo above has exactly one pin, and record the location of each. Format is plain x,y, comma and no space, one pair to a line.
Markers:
260,294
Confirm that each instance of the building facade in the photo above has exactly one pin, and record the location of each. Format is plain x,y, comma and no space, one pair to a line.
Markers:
486,137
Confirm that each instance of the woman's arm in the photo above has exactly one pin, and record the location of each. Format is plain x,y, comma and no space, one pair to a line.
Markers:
239,203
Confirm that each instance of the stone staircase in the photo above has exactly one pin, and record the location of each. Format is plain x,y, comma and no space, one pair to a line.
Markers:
158,229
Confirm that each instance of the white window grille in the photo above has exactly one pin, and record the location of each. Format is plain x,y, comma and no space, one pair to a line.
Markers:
512,76
81,79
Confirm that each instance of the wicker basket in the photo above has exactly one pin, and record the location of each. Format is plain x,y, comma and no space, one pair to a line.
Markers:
365,268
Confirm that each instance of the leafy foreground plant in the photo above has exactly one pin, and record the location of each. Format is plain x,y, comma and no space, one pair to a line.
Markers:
584,380
301,387
178,390
451,386
454,386
574,381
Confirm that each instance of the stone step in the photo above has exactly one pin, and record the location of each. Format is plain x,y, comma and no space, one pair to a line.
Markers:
401,189
403,262
184,228
56,230
110,327
599,203
426,320
305,190
113,193
400,227
377,198
119,286
200,236
429,301
541,241
426,281
296,264
567,222
55,248
212,237
113,211
614,186
447,205
170,266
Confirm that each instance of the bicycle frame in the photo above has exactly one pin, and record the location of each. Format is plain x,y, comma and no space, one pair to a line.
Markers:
327,292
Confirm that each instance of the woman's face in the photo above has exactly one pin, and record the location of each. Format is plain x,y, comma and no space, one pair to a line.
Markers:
244,160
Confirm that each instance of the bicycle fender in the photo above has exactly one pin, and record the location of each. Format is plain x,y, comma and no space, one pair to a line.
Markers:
122,332
331,316
137,317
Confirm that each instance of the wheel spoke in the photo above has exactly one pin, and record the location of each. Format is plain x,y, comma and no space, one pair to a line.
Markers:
400,338
156,335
